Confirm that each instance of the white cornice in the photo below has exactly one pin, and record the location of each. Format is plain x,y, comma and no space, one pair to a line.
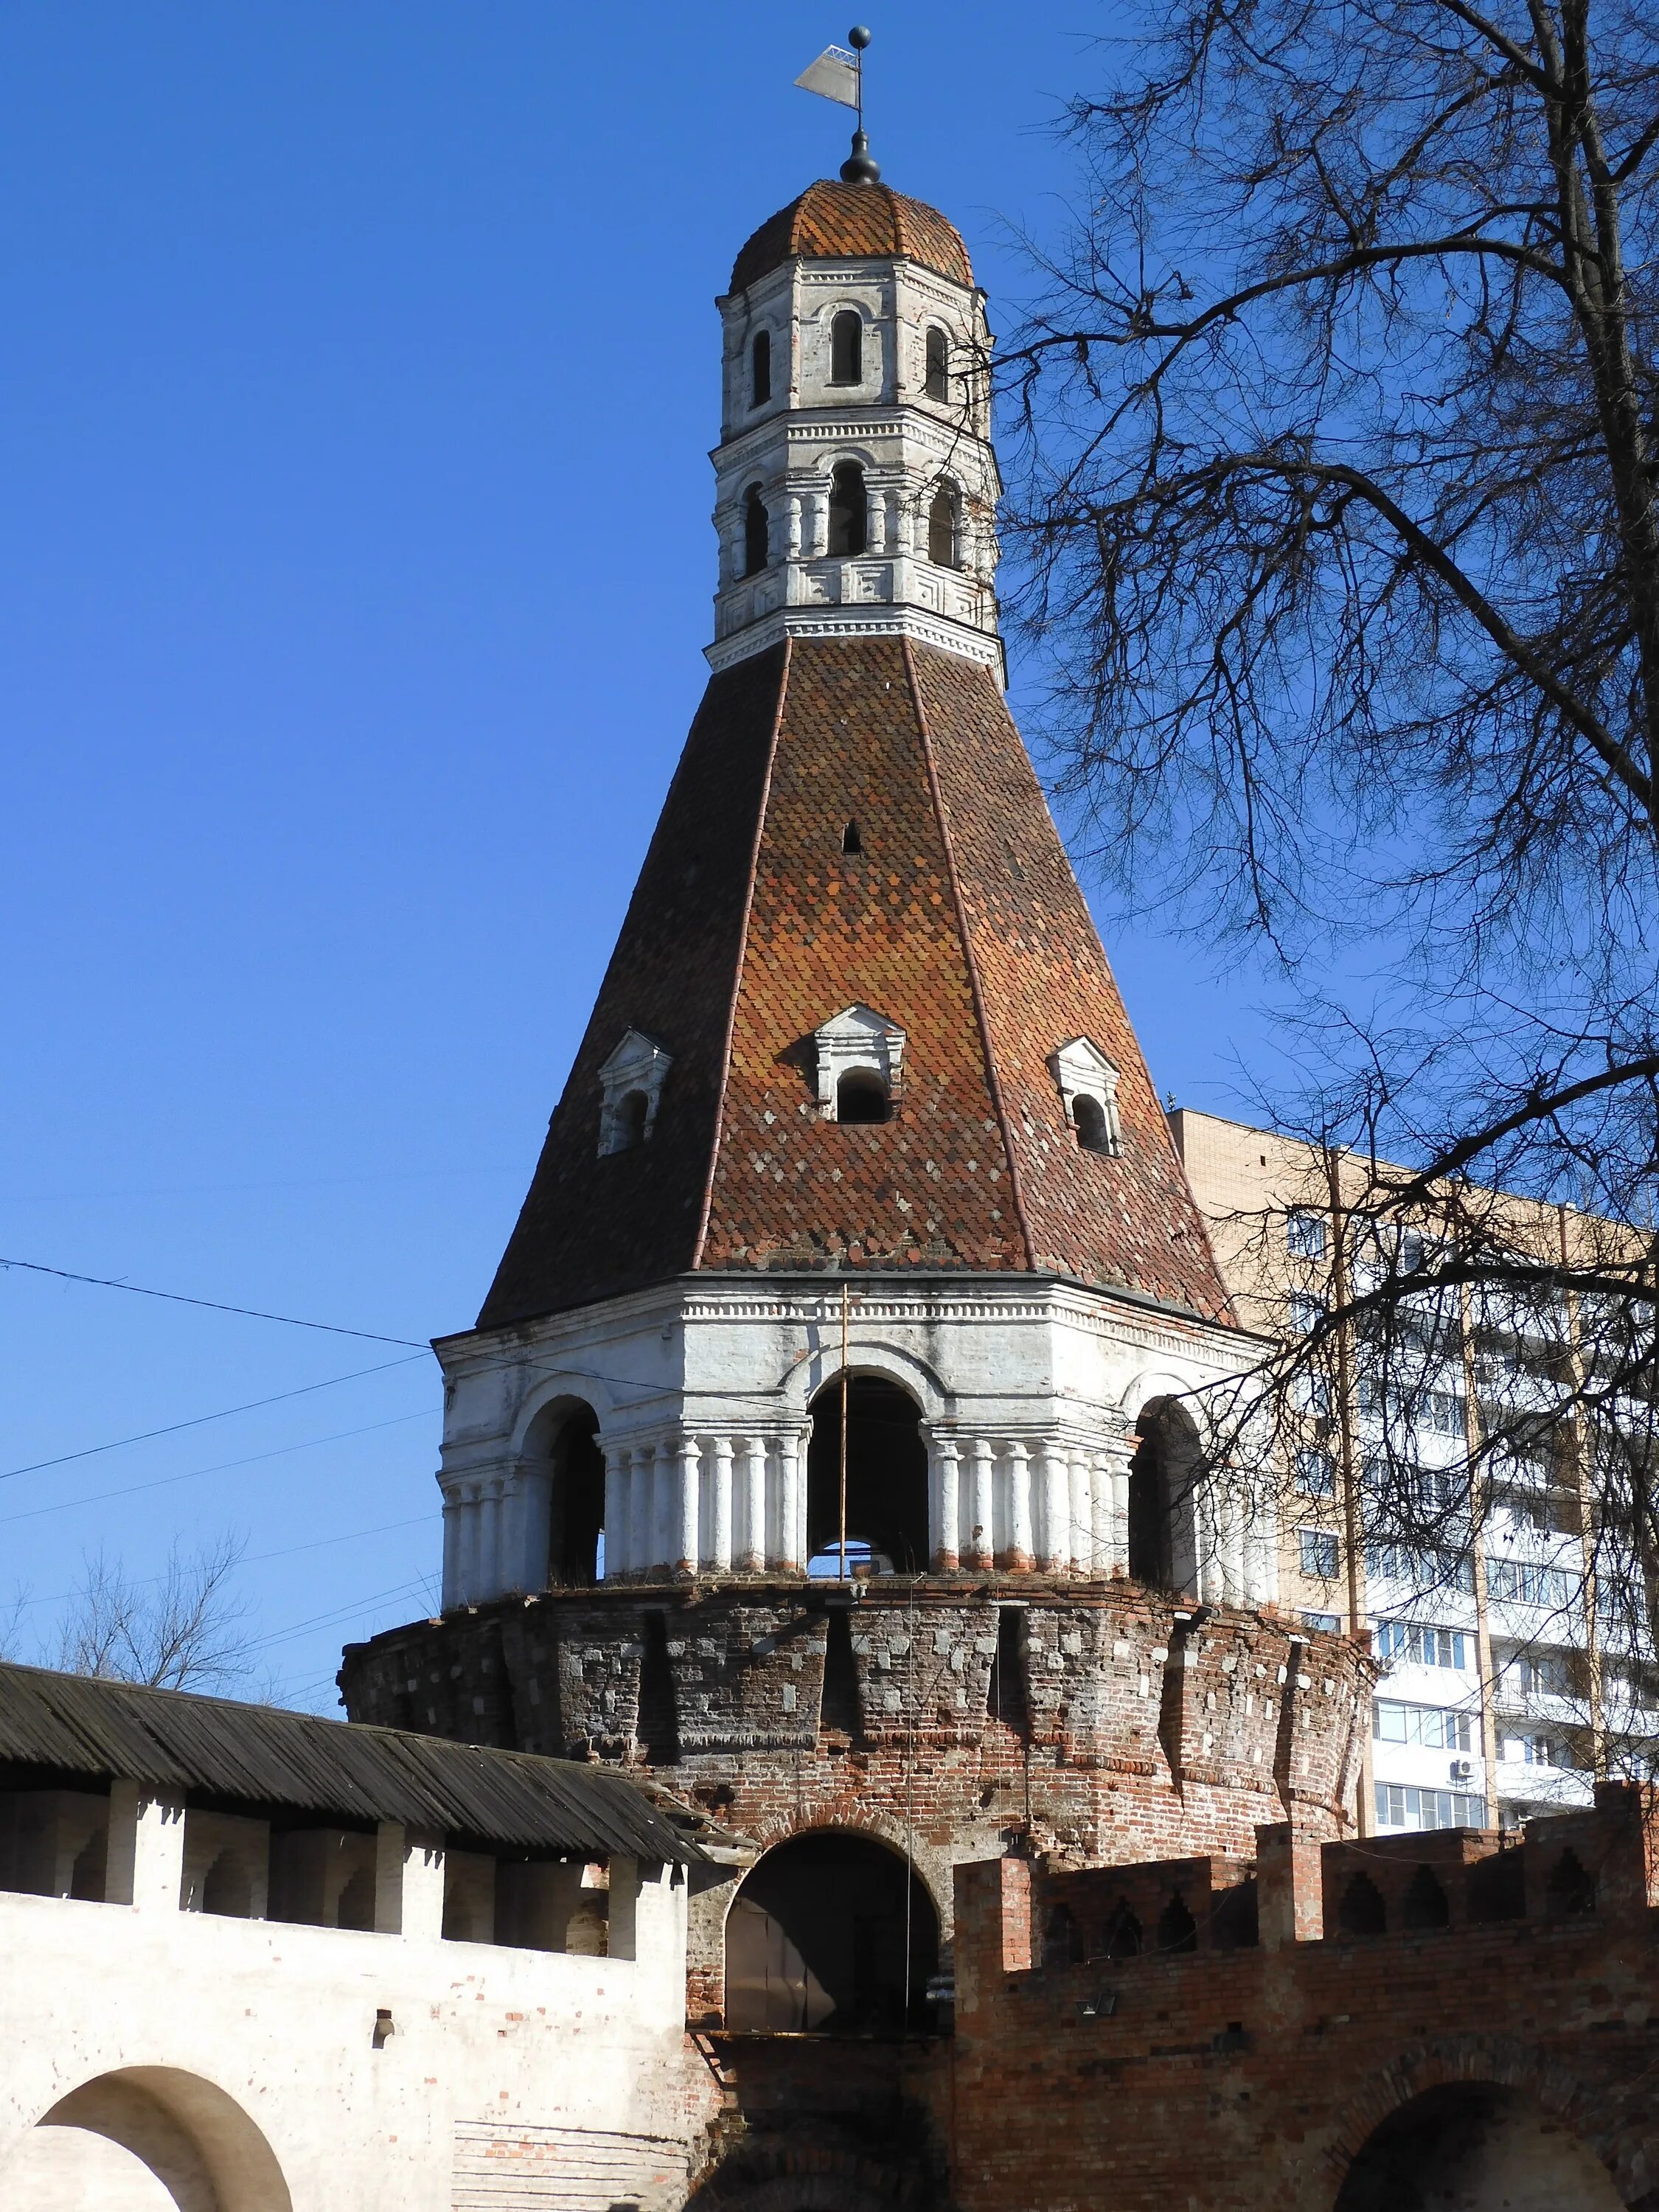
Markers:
879,620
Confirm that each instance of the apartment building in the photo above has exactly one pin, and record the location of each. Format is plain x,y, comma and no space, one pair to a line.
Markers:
1503,1694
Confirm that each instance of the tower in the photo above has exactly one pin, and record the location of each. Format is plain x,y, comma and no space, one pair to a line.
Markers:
858,1126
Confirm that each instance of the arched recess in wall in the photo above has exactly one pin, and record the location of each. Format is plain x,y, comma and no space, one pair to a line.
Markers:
1475,2147
830,1933
146,2139
1162,1501
561,1457
886,1474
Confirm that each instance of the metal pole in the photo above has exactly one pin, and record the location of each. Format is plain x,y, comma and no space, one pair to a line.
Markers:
843,1431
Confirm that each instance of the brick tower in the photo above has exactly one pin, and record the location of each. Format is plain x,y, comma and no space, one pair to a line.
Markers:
858,1124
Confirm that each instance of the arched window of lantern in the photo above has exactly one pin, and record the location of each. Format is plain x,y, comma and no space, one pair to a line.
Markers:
849,511
939,363
847,348
756,532
630,1091
760,368
941,517
860,1054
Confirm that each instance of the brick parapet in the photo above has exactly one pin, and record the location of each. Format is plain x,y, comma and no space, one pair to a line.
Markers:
1241,2076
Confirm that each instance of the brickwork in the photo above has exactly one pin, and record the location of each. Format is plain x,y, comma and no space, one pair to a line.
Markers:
1141,1728
1250,2070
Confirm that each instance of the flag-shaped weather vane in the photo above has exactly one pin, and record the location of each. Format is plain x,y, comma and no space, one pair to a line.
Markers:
838,75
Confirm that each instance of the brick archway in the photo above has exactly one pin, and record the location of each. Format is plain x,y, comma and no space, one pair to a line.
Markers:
1631,2155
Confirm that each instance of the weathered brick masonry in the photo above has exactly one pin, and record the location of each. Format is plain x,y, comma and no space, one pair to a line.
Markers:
1520,2036
1135,1725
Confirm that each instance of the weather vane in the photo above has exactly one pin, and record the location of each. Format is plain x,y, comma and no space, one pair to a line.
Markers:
838,75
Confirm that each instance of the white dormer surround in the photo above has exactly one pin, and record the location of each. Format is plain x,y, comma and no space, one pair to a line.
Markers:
636,1071
911,437
858,1039
1082,1071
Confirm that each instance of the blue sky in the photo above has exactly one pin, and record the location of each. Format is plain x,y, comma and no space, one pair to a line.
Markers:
359,374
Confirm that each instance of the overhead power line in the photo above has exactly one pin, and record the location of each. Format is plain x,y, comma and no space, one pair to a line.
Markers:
172,1428
213,1305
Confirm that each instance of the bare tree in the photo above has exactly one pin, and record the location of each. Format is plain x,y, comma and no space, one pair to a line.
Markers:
184,1629
1338,514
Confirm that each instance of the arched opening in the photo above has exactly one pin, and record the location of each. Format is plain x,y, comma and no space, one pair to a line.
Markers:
1062,1939
1089,1119
833,1934
850,840
847,348
886,1471
760,368
1425,1904
1177,1930
849,511
147,2139
563,1450
1569,1892
757,549
861,1095
1362,1912
1475,2147
942,528
939,363
228,1888
1163,1545
1123,1937
633,1120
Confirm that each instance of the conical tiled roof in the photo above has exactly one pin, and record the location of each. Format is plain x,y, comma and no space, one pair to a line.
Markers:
960,921
831,221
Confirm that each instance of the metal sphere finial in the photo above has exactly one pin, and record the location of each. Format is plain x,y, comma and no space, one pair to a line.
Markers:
858,37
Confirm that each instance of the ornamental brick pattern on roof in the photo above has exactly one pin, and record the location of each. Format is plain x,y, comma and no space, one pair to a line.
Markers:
960,921
832,222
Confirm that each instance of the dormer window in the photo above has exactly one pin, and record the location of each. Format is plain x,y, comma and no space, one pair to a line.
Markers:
850,840
1088,1085
860,1054
630,1091
847,348
939,363
760,369
757,549
849,511
942,528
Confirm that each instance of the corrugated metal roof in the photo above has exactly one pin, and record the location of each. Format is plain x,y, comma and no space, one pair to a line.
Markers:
265,1756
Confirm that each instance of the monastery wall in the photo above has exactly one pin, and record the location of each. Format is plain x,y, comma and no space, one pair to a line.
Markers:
1260,2068
258,2066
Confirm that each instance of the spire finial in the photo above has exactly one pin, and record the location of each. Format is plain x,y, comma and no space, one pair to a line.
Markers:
859,167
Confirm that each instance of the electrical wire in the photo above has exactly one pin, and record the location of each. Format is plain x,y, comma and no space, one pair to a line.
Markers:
201,1420
211,1305
254,1558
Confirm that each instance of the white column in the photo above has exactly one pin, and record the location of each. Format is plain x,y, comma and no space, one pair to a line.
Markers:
1231,1518
788,1555
792,526
527,1527
1020,1549
144,1857
617,1502
490,1538
1261,1555
751,1505
1054,1546
979,1498
947,1504
471,1574
1102,1555
684,1555
454,1528
1080,1533
644,1546
803,1501
1119,1479
720,1522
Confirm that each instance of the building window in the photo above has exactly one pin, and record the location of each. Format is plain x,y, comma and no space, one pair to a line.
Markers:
1315,1473
1430,1728
1400,1806
1522,1581
847,348
849,512
760,369
860,1056
1306,1313
1305,1233
1413,1645
755,532
1319,1556
630,1091
939,363
942,529
1327,1623
1087,1081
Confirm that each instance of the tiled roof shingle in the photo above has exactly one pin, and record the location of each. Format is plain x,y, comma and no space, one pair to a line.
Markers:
831,220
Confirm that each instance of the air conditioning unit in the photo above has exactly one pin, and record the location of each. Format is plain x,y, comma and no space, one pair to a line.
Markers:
1463,1770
